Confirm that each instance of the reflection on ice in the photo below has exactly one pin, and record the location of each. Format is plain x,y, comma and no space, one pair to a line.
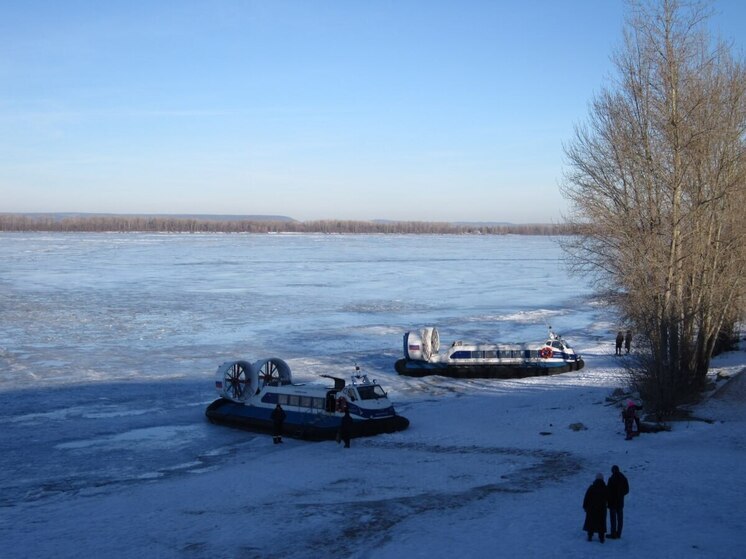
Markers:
164,437
537,316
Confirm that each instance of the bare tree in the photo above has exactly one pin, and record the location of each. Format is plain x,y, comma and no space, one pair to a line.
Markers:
656,182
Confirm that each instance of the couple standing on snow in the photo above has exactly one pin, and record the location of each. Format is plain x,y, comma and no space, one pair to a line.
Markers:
598,497
625,339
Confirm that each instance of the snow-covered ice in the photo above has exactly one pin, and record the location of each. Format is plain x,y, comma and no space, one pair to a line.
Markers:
108,347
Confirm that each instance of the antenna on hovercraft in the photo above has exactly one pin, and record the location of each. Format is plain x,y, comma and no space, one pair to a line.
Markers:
552,335
360,378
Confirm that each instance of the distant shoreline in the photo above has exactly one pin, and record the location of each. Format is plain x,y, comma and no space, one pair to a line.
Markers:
70,222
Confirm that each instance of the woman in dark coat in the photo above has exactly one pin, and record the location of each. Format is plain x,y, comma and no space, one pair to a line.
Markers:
594,505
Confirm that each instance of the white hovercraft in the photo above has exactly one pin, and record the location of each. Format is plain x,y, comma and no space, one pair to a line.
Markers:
488,360
250,391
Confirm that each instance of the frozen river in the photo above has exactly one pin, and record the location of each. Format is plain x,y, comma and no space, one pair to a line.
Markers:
109,342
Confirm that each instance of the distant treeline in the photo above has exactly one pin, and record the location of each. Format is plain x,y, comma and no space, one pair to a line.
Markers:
165,224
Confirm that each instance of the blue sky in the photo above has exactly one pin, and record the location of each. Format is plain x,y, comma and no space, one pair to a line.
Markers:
408,110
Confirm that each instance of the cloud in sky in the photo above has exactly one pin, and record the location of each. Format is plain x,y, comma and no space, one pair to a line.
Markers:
399,110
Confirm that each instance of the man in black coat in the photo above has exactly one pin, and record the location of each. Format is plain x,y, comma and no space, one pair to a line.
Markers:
345,428
278,418
616,488
594,505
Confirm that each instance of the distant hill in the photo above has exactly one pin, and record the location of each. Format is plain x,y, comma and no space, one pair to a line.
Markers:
483,223
59,216
229,217
459,223
224,223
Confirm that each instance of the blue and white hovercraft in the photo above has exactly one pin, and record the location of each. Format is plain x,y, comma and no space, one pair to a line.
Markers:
485,360
250,391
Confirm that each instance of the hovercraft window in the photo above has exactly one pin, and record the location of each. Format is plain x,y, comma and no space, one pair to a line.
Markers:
370,392
301,401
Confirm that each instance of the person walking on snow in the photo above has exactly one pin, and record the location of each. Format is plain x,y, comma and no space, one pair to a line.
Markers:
628,341
616,488
619,342
629,416
594,505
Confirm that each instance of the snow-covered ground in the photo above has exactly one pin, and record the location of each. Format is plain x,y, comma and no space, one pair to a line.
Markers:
109,343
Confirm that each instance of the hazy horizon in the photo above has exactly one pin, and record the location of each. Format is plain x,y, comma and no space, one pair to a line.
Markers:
407,111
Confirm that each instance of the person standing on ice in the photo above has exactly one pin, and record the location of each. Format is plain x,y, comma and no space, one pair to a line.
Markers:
628,341
619,342
594,505
278,418
616,488
345,428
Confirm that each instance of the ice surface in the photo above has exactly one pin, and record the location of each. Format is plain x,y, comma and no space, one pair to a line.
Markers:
109,344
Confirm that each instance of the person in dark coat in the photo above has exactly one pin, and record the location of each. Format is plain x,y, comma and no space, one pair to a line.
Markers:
594,505
628,341
616,488
619,342
278,418
345,428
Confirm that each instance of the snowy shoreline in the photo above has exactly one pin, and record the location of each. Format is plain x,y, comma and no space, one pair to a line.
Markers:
446,486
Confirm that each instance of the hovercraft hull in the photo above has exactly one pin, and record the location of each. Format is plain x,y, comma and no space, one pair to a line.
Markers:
299,425
415,368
